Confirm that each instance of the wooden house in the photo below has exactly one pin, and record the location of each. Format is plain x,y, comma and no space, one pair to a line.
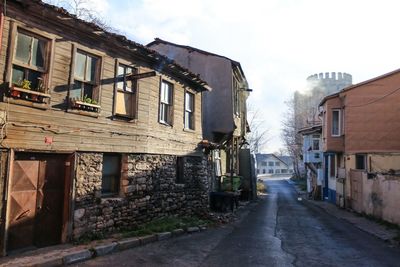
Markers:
224,108
98,133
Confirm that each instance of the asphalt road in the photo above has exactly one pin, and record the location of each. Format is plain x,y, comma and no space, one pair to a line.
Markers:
279,230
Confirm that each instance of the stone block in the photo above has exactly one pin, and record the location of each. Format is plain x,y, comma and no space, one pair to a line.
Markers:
164,235
105,249
128,243
77,256
50,263
178,232
147,239
193,229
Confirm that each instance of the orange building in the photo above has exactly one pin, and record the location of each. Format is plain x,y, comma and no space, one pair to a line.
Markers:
361,145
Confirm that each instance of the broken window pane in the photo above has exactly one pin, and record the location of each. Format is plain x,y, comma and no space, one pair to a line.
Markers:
38,52
17,75
88,90
76,91
91,68
121,70
23,50
33,78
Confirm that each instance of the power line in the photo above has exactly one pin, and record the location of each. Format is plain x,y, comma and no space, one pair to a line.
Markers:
375,100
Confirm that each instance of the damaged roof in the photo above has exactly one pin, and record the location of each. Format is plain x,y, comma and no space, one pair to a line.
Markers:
191,49
162,63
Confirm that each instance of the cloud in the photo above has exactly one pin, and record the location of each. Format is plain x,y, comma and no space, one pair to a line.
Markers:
278,42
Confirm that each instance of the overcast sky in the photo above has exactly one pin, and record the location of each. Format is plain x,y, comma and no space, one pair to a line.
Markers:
279,43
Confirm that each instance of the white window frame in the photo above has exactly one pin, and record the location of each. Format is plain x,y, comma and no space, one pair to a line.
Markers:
188,119
166,102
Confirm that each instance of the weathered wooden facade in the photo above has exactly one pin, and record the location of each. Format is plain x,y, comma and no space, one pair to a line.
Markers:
98,133
224,108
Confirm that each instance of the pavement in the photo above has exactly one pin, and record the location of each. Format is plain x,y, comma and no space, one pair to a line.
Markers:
71,254
360,222
68,254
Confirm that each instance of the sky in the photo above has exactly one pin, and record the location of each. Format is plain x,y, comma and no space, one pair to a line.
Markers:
279,43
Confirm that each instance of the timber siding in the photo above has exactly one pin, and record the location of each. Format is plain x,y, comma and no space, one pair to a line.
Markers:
27,127
51,142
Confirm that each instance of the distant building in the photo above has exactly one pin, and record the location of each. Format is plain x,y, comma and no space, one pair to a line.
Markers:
270,164
312,159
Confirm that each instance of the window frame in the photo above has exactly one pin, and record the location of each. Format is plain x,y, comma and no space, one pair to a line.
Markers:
48,55
190,112
134,91
339,128
170,106
315,144
117,191
332,166
96,91
356,156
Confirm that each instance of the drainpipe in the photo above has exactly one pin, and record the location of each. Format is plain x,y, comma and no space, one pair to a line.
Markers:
2,12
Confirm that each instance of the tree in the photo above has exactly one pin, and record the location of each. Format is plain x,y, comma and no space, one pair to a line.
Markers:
258,137
81,9
292,140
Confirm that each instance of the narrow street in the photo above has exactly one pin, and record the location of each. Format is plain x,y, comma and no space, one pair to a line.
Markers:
280,230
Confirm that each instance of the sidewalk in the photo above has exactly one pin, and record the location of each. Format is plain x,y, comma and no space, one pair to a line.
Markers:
362,223
67,254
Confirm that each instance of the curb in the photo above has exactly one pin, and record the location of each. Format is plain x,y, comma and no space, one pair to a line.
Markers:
102,249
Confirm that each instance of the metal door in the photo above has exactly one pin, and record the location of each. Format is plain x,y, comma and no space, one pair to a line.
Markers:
49,204
36,201
22,198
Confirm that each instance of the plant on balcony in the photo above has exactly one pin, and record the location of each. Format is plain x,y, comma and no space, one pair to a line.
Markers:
22,90
85,104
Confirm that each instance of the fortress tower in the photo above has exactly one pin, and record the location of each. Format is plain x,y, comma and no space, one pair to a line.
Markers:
318,86
330,82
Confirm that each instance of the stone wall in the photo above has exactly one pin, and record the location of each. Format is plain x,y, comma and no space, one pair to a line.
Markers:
148,190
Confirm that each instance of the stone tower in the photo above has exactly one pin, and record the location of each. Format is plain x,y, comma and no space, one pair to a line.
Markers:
318,86
330,82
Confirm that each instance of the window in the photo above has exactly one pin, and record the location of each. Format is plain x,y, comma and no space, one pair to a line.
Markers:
270,163
166,103
30,61
180,170
217,163
263,171
189,111
111,174
361,161
236,100
125,94
277,163
315,145
277,171
284,170
335,122
316,155
263,163
86,75
270,171
332,166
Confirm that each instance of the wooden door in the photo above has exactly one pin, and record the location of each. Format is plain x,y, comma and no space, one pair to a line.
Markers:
22,198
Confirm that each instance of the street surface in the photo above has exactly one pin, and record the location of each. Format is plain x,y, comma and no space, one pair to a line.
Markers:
279,230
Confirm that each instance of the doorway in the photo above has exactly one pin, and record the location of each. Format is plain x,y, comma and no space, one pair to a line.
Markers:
38,199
